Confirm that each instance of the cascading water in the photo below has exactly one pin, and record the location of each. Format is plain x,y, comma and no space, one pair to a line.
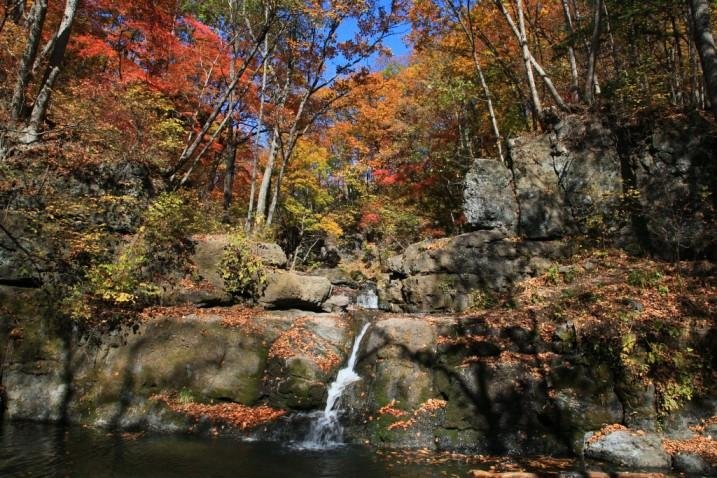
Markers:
326,431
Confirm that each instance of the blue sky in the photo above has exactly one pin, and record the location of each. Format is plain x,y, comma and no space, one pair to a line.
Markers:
395,42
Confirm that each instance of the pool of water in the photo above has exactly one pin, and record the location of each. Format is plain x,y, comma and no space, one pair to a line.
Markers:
32,450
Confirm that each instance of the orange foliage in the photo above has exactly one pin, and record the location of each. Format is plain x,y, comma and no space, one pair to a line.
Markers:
232,414
430,406
299,340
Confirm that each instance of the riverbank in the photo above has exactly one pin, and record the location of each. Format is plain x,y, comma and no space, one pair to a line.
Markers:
600,354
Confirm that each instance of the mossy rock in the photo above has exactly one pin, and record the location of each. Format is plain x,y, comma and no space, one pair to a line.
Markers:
403,381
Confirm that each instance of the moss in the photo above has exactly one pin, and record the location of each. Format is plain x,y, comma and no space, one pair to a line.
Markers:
297,367
458,414
379,432
452,439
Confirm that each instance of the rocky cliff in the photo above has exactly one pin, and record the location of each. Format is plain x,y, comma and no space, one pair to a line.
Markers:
650,188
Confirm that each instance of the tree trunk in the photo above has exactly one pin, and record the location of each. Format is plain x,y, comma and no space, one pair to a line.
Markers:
61,38
467,26
491,110
215,135
571,51
230,168
277,189
705,42
286,154
231,154
523,39
39,9
257,146
16,10
31,133
194,144
259,215
594,50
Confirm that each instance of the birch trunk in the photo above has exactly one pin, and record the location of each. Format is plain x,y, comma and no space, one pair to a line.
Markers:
266,179
467,26
32,132
594,50
705,42
39,10
260,125
523,39
61,39
571,51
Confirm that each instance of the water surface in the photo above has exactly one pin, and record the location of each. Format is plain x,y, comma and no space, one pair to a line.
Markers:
32,450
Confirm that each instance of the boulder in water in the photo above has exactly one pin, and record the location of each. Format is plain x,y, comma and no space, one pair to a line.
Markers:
634,450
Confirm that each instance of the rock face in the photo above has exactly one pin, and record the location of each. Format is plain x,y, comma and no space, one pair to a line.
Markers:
289,290
447,383
115,194
463,384
574,179
283,360
446,274
489,196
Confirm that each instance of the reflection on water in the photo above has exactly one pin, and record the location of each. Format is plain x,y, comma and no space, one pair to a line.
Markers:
31,450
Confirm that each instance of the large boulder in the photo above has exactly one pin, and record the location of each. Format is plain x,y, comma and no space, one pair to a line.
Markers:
208,252
633,450
271,254
289,290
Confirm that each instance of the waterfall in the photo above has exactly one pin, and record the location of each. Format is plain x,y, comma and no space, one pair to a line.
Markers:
326,431
367,299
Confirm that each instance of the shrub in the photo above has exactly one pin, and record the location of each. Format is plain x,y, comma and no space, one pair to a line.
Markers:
157,256
643,279
242,271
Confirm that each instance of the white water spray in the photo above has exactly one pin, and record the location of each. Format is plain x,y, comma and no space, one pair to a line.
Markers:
326,431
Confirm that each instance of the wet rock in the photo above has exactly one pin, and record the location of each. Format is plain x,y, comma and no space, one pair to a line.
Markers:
303,363
496,474
628,449
693,465
38,394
